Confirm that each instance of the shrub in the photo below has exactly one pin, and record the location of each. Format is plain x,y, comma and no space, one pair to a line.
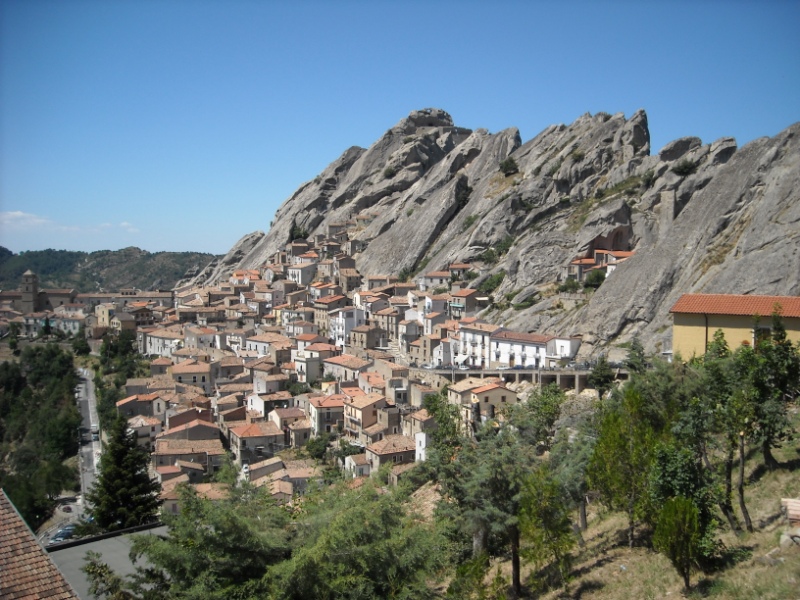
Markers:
570,286
509,167
685,167
489,256
470,275
504,245
594,279
462,196
492,282
469,222
577,155
409,212
298,233
389,172
677,535
648,179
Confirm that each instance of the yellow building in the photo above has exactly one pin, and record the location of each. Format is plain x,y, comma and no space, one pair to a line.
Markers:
696,317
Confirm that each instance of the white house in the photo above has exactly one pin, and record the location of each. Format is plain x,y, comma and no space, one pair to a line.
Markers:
342,322
559,348
302,274
475,344
513,348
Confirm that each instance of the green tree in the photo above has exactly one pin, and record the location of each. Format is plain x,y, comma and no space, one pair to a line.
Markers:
535,418
602,377
620,464
677,471
123,495
569,459
677,535
775,380
509,166
544,521
317,447
79,344
360,544
636,361
594,279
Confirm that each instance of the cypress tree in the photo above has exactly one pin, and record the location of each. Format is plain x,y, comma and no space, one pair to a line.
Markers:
123,495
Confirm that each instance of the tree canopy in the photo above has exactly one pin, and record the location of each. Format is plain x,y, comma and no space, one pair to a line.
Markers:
123,495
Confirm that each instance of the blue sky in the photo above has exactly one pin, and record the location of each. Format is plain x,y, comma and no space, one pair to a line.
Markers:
179,125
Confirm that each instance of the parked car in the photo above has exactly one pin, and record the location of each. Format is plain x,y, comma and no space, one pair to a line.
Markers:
463,367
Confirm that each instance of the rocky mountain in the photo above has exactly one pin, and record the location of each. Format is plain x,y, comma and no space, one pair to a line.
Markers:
101,270
700,217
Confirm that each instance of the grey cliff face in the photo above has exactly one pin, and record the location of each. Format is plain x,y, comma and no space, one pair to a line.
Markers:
700,218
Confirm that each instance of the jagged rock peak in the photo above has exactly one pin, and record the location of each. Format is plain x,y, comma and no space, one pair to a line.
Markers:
426,117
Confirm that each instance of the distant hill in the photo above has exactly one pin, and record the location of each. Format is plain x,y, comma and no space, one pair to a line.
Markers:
102,270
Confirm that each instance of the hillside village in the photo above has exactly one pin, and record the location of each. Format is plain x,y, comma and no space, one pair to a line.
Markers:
308,346
228,361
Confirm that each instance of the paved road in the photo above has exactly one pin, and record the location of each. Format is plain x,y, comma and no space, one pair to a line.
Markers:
90,450
72,509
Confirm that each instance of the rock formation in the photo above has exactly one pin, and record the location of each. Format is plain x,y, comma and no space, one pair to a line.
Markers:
701,217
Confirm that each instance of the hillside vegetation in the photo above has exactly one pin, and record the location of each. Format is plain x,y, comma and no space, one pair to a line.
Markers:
104,270
668,484
38,429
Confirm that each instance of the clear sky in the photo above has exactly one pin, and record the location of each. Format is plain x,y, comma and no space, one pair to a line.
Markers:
178,125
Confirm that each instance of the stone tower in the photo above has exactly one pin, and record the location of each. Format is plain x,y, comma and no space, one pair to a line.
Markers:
30,292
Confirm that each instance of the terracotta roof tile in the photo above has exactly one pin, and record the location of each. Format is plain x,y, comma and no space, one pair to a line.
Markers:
733,304
26,570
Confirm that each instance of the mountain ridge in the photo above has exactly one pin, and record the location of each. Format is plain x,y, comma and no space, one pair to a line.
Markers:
700,217
129,267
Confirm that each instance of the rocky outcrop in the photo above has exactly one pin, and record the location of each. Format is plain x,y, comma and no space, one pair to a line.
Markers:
701,217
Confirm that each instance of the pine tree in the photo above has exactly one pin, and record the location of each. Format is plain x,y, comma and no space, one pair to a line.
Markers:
620,463
602,377
123,495
677,536
636,362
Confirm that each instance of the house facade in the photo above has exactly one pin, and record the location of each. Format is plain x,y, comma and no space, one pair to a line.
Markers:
742,319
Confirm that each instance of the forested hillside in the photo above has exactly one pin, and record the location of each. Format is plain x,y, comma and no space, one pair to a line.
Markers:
684,465
105,270
38,429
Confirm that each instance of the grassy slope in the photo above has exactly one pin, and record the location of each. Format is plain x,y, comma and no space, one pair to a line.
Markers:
605,568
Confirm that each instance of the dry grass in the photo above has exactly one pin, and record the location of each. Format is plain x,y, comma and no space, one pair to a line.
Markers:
605,568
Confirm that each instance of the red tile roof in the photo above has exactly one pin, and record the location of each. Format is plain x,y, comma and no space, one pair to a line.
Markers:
26,570
733,304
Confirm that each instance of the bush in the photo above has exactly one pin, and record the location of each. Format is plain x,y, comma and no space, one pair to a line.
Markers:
389,172
648,179
570,286
489,256
594,279
509,167
462,195
677,535
492,282
685,167
504,245
469,222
